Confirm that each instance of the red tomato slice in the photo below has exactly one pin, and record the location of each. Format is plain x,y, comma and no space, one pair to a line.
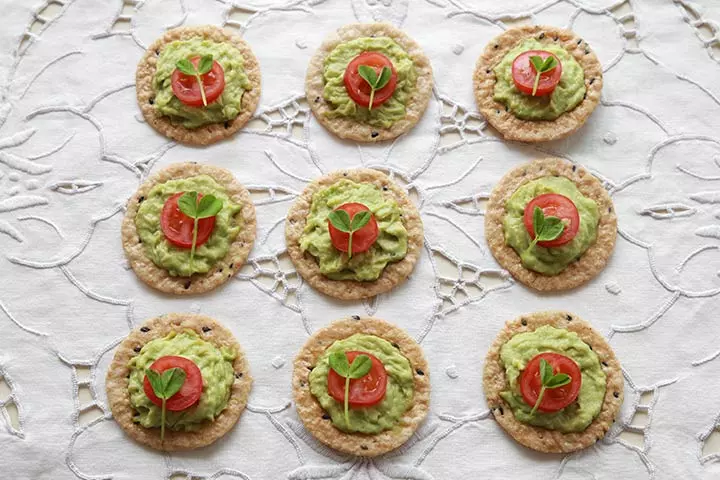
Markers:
556,205
178,227
356,86
364,392
189,393
187,90
362,239
523,73
554,399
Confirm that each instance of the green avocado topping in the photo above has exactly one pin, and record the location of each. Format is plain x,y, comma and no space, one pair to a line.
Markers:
336,63
517,353
549,261
390,246
568,93
398,396
214,363
174,259
226,107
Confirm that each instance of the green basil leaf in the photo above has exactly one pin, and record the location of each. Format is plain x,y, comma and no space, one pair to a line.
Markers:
552,229
173,379
185,66
340,219
188,204
546,371
360,366
360,220
559,380
537,62
209,206
549,64
368,73
538,220
205,64
385,75
155,382
338,361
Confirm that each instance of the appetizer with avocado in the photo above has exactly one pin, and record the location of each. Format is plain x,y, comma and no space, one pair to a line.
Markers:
369,82
361,386
178,382
551,224
188,228
537,83
552,382
353,234
198,85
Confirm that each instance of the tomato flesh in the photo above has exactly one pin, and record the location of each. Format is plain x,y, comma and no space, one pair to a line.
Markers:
187,89
554,399
362,239
364,392
189,393
556,205
523,73
178,227
358,89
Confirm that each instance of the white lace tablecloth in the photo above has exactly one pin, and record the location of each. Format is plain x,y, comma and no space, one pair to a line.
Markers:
73,148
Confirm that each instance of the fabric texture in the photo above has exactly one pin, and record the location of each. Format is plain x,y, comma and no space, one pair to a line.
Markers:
74,148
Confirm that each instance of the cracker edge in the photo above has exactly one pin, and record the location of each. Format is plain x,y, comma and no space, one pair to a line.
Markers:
307,266
240,248
350,129
513,128
595,258
206,134
117,383
311,412
537,438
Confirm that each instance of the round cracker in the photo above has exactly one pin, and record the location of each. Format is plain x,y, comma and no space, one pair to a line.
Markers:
541,439
158,277
590,263
348,128
116,382
206,134
311,413
393,274
513,128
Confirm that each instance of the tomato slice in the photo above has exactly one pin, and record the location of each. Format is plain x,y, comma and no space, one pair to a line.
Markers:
364,392
356,86
187,90
554,399
523,73
178,227
189,393
556,205
362,239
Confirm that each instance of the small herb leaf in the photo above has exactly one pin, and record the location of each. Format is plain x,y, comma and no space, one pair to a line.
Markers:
338,361
340,219
537,62
548,381
360,366
369,74
549,64
538,220
552,228
209,206
359,220
173,379
186,67
188,204
558,380
546,371
205,64
155,381
385,75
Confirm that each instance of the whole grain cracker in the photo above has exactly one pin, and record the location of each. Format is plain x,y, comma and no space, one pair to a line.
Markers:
590,263
393,274
348,128
225,268
116,382
206,134
513,128
541,439
311,413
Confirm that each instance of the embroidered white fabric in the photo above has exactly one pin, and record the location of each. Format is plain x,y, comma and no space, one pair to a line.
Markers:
74,147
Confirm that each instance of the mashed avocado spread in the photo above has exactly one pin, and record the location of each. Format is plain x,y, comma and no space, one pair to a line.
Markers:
398,396
518,352
343,106
226,107
566,96
214,363
390,246
174,259
549,261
